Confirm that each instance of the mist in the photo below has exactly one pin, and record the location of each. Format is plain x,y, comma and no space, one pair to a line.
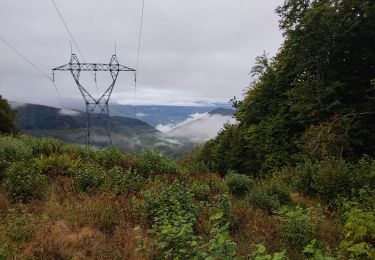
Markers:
198,128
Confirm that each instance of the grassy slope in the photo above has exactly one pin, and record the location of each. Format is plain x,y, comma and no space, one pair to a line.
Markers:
80,219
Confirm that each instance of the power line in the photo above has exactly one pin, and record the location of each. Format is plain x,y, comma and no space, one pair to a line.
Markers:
72,38
137,64
35,67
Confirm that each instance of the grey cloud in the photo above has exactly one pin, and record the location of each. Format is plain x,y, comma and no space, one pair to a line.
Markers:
201,48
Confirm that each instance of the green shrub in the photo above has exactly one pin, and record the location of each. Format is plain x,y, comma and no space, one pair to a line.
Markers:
315,253
201,191
90,177
151,163
173,227
222,203
110,157
46,146
220,245
166,198
57,164
79,152
359,230
238,184
334,179
24,182
120,181
261,254
12,149
196,167
363,177
303,180
261,199
298,226
277,189
174,238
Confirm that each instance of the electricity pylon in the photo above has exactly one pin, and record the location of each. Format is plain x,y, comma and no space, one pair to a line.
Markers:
97,110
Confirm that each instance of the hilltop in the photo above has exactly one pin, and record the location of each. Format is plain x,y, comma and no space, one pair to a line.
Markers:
129,134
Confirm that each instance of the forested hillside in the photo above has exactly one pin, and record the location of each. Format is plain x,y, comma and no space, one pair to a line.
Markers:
315,97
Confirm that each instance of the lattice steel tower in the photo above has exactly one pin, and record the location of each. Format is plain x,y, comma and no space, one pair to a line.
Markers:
97,110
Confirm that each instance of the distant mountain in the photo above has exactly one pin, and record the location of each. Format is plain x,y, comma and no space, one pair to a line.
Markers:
154,114
31,117
162,114
222,111
129,134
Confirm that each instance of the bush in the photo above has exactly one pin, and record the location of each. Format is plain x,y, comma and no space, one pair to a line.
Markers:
359,230
79,152
298,226
46,146
201,191
57,164
110,157
121,181
151,163
194,167
220,245
364,176
333,180
173,228
303,180
90,177
261,199
24,182
278,189
12,149
238,184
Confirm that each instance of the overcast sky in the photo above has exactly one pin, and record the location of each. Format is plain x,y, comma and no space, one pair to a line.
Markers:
192,50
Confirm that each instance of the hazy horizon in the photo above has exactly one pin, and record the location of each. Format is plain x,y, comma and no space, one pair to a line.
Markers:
191,51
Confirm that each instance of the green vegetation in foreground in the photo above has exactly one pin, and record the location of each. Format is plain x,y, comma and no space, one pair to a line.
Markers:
289,181
113,205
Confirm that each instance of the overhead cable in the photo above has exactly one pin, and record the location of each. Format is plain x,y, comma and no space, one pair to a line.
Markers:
35,67
137,64
72,38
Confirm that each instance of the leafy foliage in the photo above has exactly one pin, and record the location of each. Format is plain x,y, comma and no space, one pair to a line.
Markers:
261,199
238,184
121,181
62,165
174,221
303,100
8,118
299,227
261,254
90,177
220,246
151,163
23,182
11,150
359,230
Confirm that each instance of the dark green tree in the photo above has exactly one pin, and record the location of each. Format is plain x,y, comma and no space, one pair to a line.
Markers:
7,118
322,73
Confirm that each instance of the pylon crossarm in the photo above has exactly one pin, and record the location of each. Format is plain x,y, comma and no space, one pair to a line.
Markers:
93,67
